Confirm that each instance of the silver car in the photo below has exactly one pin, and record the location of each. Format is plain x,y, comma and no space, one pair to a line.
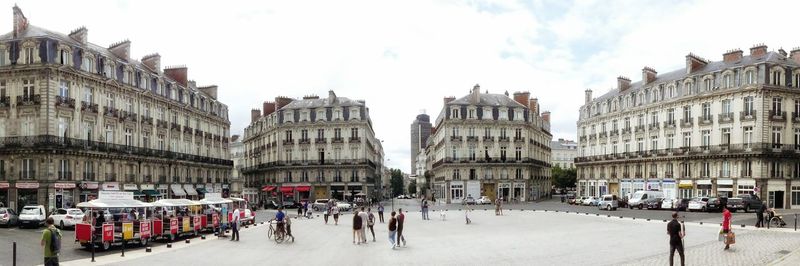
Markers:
8,217
608,202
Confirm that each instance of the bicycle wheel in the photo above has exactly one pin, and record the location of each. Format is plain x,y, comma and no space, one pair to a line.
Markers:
279,236
270,232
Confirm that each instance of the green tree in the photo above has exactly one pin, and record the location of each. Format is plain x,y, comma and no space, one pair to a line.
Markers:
396,182
564,178
412,187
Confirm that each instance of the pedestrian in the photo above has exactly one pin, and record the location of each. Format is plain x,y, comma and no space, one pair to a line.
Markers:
676,233
326,213
392,230
235,223
400,220
371,223
335,212
760,215
51,241
305,208
497,209
365,223
425,209
299,211
726,225
356,227
380,211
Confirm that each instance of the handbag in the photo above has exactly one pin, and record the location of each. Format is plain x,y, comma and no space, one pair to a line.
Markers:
730,239
720,236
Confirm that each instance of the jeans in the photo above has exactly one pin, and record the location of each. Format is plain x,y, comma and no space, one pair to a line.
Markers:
391,237
425,213
235,234
380,215
672,248
51,261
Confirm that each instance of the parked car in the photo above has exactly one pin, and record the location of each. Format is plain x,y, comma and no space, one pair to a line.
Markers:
289,204
735,204
715,203
698,204
8,217
750,202
623,202
675,204
469,200
579,201
587,201
653,203
344,206
638,198
319,204
270,204
608,202
67,217
483,200
32,215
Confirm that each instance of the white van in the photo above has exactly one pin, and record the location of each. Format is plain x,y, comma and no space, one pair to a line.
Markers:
32,215
638,198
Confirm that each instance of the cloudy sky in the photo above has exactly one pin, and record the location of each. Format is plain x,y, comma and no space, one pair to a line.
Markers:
404,56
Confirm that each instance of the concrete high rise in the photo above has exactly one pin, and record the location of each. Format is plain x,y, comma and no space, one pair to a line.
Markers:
420,130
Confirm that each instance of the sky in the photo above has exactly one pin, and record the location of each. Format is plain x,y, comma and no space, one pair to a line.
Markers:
403,57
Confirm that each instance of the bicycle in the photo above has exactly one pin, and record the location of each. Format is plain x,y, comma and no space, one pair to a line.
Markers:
278,234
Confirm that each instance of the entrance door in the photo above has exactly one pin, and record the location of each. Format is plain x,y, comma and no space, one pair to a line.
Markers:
489,191
776,199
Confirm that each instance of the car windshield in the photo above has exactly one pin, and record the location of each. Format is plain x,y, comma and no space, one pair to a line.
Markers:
30,211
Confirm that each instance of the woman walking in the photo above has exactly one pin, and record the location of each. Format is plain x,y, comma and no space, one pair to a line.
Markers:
726,226
335,211
371,223
392,229
380,211
356,227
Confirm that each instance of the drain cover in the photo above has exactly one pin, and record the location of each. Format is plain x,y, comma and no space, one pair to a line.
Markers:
784,252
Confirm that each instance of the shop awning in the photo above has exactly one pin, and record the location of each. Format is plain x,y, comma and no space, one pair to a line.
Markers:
303,188
136,193
190,191
151,193
287,189
178,191
202,190
268,188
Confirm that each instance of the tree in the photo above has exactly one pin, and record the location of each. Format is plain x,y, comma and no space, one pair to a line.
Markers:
396,182
412,187
564,178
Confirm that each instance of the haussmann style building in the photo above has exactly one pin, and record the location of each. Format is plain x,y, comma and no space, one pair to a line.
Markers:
491,145
720,128
76,117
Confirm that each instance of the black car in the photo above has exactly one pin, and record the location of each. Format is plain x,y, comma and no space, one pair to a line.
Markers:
290,204
750,202
735,204
682,204
653,203
715,203
270,204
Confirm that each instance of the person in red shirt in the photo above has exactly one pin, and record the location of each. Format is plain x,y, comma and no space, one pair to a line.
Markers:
726,225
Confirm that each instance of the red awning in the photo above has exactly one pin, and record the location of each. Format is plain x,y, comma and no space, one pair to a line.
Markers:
268,188
287,189
303,188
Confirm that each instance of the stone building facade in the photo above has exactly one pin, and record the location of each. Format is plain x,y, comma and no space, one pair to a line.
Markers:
490,145
313,148
564,153
420,131
722,128
76,118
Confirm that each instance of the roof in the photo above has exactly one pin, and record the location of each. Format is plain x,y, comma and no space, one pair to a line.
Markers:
115,203
488,99
557,145
711,67
324,102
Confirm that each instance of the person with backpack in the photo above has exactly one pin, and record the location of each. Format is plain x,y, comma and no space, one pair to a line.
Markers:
51,241
371,223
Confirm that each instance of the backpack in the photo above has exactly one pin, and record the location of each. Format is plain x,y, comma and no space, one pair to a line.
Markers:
55,241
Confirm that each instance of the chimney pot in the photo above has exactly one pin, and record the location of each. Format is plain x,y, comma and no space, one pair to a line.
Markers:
623,83
758,50
732,56
648,75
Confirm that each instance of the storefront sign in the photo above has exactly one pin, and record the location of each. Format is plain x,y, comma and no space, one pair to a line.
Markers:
211,195
89,185
127,231
163,186
110,186
148,187
108,232
4,185
115,195
187,226
27,185
144,229
129,187
173,226
197,222
64,185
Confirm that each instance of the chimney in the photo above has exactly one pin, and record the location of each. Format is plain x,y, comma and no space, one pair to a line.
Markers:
269,108
546,116
20,21
179,74
782,52
795,55
281,101
533,104
331,97
80,34
732,56
587,96
694,63
623,83
449,99
210,90
153,61
758,50
475,96
648,75
121,49
522,97
254,115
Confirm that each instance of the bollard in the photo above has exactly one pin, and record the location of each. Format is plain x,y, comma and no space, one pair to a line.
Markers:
648,220
664,221
123,248
169,245
14,252
634,218
620,217
742,226
608,215
202,236
795,221
148,249
187,241
596,214
701,223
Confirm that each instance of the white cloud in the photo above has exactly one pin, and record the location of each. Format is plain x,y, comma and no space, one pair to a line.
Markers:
403,56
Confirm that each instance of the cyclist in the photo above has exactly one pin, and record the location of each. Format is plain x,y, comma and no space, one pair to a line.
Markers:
279,219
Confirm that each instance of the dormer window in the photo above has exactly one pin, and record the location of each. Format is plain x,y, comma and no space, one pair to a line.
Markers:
503,115
64,56
750,77
471,113
88,64
3,55
320,115
689,87
709,83
29,52
354,114
776,76
455,113
727,81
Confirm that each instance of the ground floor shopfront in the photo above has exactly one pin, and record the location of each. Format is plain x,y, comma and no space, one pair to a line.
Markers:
778,193
507,190
310,191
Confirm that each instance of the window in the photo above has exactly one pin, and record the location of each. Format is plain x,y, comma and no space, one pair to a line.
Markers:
471,114
776,77
472,153
709,84
797,138
750,77
670,141
747,133
110,100
687,139
320,133
28,89
653,118
3,92
503,154
63,89
705,170
109,134
706,111
28,169
726,136
63,170
776,137
145,139
727,81
748,106
640,144
671,115
518,153
689,88
777,105
726,106
337,133
687,113
29,55
653,143
288,135
455,113
128,137
706,139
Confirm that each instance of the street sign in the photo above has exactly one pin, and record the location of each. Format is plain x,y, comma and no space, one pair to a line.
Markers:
127,231
173,226
144,229
108,232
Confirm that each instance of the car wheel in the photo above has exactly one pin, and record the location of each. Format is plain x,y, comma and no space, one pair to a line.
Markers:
640,206
746,208
61,224
608,207
143,242
106,246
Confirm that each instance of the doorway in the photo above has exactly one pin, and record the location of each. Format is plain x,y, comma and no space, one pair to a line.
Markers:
776,199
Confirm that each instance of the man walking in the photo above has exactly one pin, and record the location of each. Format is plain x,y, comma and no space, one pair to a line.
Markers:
760,215
400,219
51,241
425,209
371,223
365,221
380,211
235,224
392,230
676,234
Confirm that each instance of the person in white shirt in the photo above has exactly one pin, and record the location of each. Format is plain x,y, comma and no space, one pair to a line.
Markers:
362,235
235,223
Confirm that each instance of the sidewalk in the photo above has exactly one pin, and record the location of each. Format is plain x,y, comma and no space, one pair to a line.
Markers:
790,259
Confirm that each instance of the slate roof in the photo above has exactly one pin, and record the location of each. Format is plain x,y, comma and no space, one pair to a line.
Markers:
488,99
322,102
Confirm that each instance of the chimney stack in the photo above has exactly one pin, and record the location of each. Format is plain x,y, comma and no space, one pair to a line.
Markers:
179,74
648,75
732,56
121,49
522,97
758,50
533,104
281,101
449,99
153,61
794,54
20,21
623,83
476,94
269,108
80,34
254,115
587,96
211,90
694,63
546,116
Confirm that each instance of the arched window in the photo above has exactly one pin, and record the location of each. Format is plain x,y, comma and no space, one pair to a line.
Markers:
671,92
796,79
776,76
708,83
749,76
689,87
727,81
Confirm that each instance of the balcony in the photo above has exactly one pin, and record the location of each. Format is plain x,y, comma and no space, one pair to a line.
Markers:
603,134
320,141
174,126
305,141
706,120
591,137
65,102
147,179
197,132
653,126
89,107
725,118
187,130
337,140
128,116
64,175
747,115
456,138
29,100
162,179
162,124
626,130
582,138
777,116
521,139
686,123
639,129
110,111
111,177
472,138
669,124
503,139
613,132
288,142
354,140
27,175
146,120
89,177
488,138
5,101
